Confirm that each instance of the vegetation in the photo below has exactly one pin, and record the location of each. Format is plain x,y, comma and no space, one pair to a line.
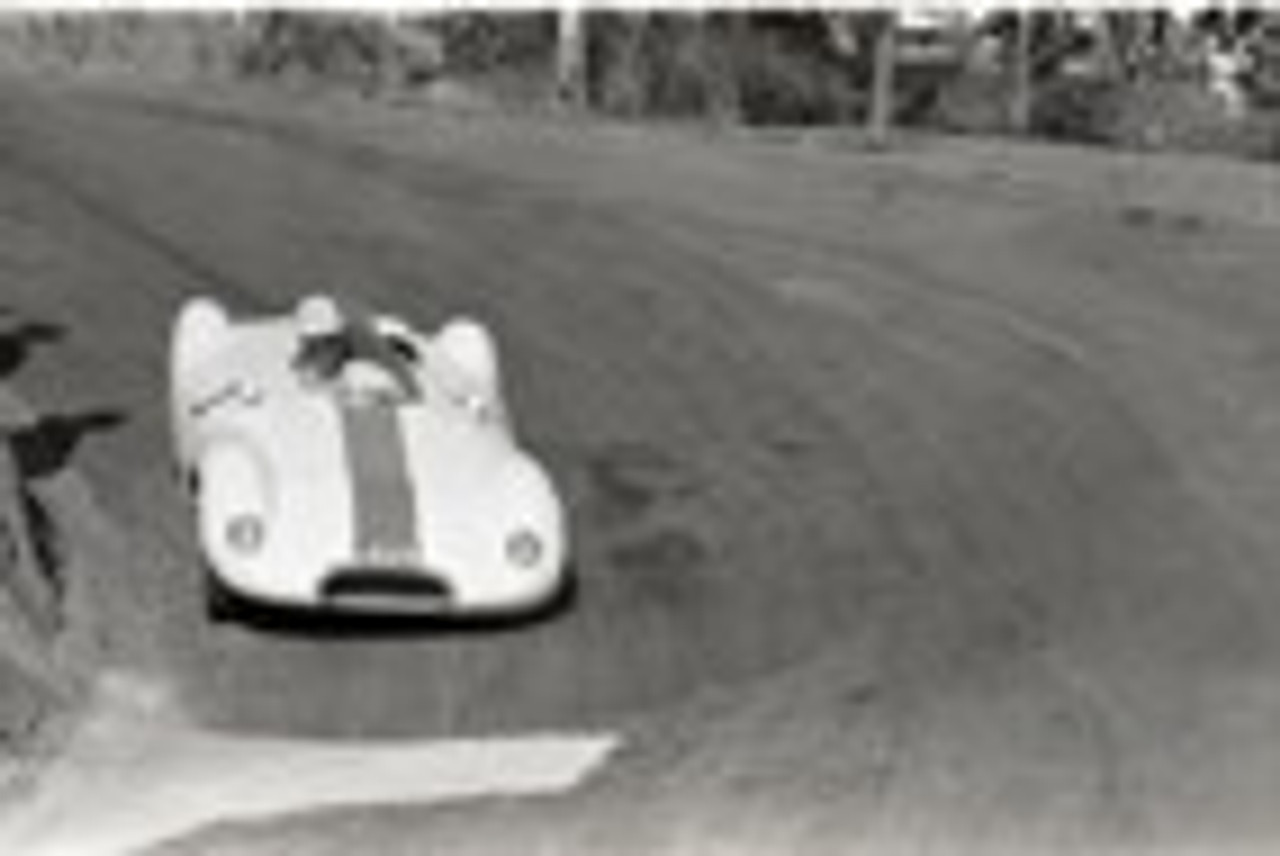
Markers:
1135,78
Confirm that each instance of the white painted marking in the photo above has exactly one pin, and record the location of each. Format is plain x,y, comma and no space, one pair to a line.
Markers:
133,778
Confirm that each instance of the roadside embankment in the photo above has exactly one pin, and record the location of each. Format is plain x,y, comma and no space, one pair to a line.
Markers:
1201,186
46,634
31,686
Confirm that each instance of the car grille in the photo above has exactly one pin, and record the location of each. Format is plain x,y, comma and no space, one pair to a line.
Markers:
388,588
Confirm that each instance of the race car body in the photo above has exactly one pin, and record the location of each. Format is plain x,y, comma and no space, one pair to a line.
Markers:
359,465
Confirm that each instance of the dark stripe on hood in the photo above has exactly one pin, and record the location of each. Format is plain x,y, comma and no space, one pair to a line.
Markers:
382,497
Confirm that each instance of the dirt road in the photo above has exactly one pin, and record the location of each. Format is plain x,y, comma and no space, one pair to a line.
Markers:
911,512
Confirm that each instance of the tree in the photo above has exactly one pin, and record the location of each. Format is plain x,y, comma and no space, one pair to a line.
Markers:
1020,66
880,113
571,55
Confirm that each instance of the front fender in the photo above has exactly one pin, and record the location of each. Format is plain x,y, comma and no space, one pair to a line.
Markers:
233,486
533,503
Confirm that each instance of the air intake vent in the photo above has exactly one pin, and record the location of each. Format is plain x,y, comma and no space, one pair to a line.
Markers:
390,588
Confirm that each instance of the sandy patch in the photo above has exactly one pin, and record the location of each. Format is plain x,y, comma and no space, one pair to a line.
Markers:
136,774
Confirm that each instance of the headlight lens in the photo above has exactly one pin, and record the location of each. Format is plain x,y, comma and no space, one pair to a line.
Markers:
245,533
525,548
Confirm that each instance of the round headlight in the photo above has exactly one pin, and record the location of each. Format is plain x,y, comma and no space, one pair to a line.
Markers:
245,533
524,548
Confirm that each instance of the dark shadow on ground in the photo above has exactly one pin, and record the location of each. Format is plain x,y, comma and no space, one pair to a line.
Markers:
46,537
45,447
229,608
17,342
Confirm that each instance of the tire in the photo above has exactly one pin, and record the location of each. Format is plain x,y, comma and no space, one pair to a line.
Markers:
220,603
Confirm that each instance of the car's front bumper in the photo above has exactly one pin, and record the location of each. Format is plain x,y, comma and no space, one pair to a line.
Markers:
371,589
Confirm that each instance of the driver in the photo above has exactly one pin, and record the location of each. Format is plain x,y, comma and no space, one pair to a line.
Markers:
348,354
322,348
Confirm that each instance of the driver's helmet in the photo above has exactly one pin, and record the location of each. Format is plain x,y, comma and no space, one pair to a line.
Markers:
366,379
318,316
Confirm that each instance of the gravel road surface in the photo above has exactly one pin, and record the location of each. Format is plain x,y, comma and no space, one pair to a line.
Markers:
912,511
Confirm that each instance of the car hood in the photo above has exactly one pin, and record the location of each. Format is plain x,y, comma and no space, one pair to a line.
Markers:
406,484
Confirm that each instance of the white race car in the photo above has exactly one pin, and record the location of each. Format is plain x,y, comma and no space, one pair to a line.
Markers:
357,465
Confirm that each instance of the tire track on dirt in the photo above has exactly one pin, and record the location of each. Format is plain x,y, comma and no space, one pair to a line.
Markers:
967,533
116,219
770,474
1041,374
548,276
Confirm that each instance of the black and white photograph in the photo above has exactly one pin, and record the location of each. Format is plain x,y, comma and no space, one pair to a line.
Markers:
580,428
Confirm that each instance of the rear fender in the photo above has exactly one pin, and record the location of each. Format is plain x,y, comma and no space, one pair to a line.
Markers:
199,331
470,349
470,346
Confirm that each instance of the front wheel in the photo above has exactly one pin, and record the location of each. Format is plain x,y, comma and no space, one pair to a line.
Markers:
220,603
